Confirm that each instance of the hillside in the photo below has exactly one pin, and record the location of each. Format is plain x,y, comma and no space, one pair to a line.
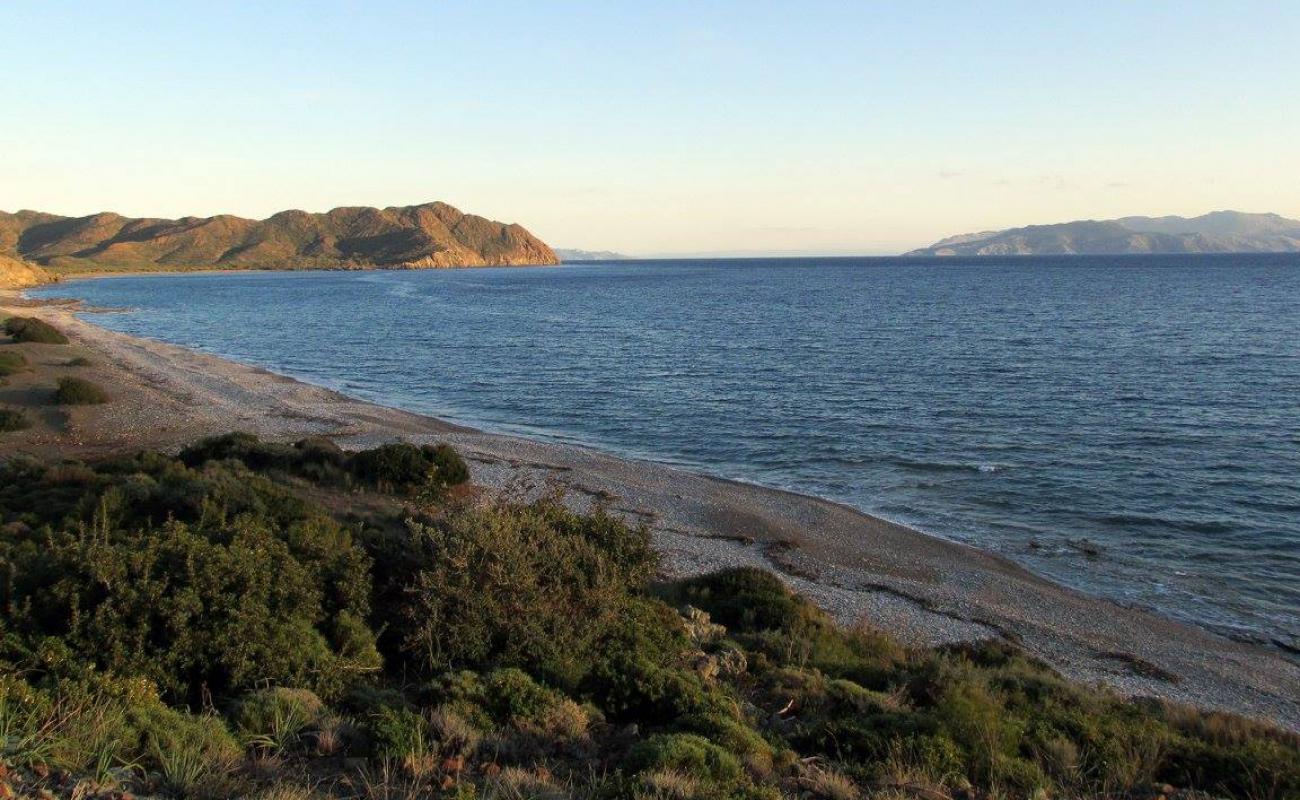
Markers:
1218,232
15,274
569,254
432,235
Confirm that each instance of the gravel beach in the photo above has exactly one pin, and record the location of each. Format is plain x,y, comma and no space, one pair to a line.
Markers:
863,569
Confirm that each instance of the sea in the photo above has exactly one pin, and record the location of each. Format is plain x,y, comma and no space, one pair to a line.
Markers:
1128,426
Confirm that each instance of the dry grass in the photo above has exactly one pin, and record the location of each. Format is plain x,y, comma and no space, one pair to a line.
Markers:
668,784
829,784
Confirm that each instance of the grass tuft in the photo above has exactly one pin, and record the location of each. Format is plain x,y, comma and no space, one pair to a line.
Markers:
79,392
11,362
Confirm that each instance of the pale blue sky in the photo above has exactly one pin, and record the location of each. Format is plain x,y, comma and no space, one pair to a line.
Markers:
657,127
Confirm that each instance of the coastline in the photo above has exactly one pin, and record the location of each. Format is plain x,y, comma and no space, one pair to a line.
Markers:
864,569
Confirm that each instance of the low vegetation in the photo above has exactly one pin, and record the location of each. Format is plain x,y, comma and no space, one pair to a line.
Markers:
79,392
11,362
293,621
12,419
30,329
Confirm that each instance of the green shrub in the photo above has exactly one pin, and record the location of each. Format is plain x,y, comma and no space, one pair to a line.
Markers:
30,329
687,753
532,586
398,733
220,575
513,696
405,467
633,689
79,392
273,720
92,725
11,362
79,361
11,419
401,468
243,585
767,617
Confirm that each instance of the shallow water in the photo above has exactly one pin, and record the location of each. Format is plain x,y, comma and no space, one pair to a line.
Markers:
1149,406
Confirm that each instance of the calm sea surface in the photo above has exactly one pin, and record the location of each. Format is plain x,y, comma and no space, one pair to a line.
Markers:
1147,405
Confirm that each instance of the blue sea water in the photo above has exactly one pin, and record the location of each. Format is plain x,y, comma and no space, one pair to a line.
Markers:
1147,405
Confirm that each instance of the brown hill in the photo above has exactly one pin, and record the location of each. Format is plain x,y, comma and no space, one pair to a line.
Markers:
425,236
15,274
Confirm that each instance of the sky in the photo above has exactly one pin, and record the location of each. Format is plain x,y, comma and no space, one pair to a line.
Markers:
658,128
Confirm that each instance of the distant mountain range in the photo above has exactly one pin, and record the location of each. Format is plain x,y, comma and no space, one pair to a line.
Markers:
569,254
1218,232
432,235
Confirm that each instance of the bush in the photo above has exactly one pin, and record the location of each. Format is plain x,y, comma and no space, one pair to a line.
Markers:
79,392
392,467
11,419
214,579
398,733
243,585
11,362
686,753
93,724
405,467
273,720
532,586
30,329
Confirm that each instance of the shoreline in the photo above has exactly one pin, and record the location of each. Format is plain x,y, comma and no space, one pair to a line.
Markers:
864,569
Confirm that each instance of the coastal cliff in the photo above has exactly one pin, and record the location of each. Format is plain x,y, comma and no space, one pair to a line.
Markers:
15,274
1218,232
428,236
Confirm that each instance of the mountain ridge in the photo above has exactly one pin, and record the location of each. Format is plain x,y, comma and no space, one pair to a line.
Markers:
427,236
568,254
1216,232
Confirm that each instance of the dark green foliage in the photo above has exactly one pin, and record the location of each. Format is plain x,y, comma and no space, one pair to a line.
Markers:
12,419
237,587
30,329
79,392
405,467
401,468
688,753
397,732
79,361
533,586
11,362
516,636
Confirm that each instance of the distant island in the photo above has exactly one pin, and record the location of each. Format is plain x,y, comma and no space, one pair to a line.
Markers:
1217,232
428,236
570,254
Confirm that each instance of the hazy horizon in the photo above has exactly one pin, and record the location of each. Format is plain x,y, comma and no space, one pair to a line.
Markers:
821,128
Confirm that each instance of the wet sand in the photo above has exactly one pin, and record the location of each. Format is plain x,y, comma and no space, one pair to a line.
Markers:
863,569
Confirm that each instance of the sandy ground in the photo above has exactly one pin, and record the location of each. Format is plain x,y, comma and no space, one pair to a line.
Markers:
863,569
